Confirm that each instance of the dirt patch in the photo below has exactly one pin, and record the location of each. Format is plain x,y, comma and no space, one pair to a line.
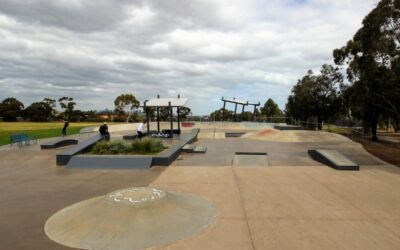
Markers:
383,150
267,132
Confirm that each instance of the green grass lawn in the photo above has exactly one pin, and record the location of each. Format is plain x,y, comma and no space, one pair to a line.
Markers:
39,129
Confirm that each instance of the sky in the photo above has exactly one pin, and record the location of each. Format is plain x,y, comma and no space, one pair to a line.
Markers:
95,50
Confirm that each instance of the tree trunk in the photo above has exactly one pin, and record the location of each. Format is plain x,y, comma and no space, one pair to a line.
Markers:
319,123
374,125
396,124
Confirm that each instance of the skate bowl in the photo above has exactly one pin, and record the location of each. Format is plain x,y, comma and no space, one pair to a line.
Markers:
132,218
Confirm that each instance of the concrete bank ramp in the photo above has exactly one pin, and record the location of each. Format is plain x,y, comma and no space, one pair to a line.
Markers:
132,218
58,143
250,159
333,158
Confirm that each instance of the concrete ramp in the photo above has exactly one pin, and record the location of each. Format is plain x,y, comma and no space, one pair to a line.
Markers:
234,134
250,159
191,148
58,143
288,127
333,158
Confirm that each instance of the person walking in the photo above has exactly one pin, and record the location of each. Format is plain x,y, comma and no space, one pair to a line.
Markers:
64,130
139,129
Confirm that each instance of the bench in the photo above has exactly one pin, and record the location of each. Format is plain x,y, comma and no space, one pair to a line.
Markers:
20,138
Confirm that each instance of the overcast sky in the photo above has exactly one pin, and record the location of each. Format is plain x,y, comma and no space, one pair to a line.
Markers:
94,50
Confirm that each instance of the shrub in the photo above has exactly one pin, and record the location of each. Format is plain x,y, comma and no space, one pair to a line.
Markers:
148,145
145,146
105,147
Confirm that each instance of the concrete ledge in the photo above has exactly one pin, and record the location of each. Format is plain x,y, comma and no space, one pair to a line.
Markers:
288,127
109,162
334,159
234,134
250,153
165,158
58,143
188,148
64,157
130,137
200,149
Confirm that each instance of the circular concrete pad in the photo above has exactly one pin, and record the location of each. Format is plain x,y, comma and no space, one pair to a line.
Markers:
133,218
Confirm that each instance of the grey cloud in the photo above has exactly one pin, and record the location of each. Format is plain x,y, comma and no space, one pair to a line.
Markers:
96,50
82,16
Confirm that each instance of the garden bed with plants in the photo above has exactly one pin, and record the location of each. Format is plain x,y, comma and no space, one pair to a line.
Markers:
147,146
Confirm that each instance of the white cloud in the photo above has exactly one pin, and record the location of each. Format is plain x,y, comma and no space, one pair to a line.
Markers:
94,50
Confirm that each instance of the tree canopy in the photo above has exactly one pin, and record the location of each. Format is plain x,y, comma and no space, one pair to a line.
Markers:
372,62
125,105
67,104
317,96
271,109
11,108
39,111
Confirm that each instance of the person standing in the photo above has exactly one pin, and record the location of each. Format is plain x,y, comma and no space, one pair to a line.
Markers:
139,129
64,130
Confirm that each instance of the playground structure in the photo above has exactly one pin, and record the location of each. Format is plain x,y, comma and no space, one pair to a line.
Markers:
170,103
238,102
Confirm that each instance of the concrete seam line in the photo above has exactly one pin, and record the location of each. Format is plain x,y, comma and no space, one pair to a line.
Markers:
243,207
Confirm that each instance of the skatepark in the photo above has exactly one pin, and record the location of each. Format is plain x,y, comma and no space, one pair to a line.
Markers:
254,187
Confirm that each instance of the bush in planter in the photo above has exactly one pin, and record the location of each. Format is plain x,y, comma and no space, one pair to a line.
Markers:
106,147
145,146
148,145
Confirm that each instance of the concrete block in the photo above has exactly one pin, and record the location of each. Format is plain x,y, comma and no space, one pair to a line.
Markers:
334,159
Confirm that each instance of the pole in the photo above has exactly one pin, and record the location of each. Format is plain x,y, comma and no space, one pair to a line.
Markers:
234,116
179,121
147,116
242,111
171,120
223,112
158,119
254,113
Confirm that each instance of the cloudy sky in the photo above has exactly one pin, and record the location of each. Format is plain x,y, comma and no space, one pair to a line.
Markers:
94,50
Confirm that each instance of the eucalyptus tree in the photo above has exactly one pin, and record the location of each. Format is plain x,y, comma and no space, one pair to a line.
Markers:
125,104
271,109
372,59
317,96
11,108
68,105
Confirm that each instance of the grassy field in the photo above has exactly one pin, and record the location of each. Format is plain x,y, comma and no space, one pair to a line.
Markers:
39,129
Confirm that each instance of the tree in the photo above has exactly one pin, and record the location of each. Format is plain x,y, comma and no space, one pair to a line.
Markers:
125,104
221,114
246,116
51,103
271,109
68,105
184,112
39,111
10,109
164,113
371,58
317,96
